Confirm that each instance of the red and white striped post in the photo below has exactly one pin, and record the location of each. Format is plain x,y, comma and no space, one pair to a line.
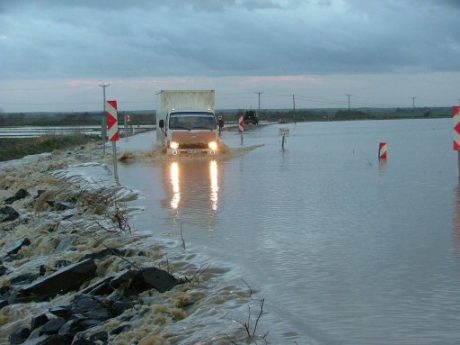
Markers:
456,143
383,151
241,126
112,123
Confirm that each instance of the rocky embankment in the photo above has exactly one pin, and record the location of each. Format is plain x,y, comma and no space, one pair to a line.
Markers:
71,269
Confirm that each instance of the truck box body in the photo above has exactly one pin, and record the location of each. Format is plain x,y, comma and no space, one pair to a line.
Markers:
186,119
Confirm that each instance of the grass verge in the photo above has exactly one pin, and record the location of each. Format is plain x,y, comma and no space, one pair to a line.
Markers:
13,148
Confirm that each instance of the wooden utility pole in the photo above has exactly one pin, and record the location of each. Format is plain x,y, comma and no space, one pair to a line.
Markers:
293,106
258,111
104,120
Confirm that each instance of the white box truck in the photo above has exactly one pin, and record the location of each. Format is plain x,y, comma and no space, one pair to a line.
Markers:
186,121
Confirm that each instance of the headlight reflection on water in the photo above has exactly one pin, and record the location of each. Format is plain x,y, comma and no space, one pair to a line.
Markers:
175,185
213,173
194,180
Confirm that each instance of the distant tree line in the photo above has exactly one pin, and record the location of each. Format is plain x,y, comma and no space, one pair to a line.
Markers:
353,114
281,115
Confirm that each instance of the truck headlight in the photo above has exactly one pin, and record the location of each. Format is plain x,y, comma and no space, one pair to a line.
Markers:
213,146
174,145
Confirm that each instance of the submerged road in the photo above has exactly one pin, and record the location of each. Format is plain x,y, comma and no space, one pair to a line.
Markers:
344,249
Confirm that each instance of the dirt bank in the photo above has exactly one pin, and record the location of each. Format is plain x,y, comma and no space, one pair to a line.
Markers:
74,271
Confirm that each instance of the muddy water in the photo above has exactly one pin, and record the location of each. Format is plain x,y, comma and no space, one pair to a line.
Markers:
344,249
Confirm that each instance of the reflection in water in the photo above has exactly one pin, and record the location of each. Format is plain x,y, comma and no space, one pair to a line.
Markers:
213,173
174,173
193,190
456,220
382,166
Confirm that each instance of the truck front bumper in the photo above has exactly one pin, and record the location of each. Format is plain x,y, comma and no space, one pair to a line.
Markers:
179,151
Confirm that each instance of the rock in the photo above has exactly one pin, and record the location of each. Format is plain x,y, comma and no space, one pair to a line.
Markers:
3,270
152,277
82,342
36,341
20,194
49,340
25,278
108,285
39,192
66,279
62,311
123,328
70,328
64,205
4,290
38,321
62,263
65,243
88,323
101,287
78,324
122,277
8,214
90,307
101,336
17,245
19,335
42,270
91,337
3,303
119,307
103,254
52,326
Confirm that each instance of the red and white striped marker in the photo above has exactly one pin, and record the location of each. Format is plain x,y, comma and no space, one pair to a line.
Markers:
456,119
112,120
383,151
241,123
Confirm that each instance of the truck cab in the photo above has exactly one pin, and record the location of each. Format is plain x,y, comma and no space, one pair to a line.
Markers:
190,132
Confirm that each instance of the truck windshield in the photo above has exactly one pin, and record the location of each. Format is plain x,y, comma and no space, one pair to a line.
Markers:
192,120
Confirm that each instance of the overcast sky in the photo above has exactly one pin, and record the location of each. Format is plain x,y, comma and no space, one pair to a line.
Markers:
55,53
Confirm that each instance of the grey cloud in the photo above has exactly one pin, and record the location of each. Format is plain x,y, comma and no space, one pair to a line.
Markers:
114,5
163,38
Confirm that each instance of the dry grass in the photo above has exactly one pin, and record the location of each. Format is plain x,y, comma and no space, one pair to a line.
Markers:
13,148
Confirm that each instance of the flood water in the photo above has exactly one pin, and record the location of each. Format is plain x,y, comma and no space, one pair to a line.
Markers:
344,249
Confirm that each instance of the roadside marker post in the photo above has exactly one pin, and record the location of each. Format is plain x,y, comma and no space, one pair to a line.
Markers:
383,151
284,132
114,136
456,143
241,126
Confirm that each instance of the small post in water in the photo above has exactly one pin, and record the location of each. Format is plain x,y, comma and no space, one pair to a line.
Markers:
112,123
456,119
284,132
383,151
241,126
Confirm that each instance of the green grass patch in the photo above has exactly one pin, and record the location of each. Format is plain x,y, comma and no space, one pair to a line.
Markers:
13,148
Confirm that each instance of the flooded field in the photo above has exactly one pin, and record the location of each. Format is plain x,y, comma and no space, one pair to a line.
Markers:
36,131
344,249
